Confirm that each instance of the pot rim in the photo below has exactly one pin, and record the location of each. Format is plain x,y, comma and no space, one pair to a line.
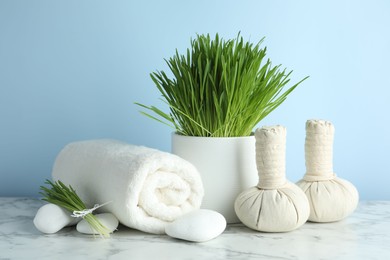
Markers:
212,138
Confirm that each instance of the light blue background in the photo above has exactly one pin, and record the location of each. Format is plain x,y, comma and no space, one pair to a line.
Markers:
71,70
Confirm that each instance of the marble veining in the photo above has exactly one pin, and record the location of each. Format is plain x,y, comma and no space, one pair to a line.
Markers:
363,235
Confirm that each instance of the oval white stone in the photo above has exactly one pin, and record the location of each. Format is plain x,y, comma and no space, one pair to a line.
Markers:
197,226
107,219
51,218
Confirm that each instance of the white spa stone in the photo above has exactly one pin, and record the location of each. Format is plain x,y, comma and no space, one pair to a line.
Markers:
107,219
197,226
51,218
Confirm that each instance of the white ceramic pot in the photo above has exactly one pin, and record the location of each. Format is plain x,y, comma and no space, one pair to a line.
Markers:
227,166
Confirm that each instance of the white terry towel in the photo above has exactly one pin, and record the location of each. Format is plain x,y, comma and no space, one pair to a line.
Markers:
147,188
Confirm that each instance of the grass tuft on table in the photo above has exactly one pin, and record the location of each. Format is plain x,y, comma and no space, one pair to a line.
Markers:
67,198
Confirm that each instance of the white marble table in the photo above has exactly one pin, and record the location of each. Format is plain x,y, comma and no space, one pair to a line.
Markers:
364,235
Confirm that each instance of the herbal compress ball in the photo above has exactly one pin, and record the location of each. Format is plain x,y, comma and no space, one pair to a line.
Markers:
275,204
330,198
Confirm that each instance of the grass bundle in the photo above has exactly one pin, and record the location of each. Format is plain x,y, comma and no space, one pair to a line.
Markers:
67,198
219,88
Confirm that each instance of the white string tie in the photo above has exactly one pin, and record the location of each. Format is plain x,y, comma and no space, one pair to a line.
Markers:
84,212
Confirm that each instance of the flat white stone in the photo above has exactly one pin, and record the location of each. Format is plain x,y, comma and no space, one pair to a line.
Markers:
51,218
197,226
107,219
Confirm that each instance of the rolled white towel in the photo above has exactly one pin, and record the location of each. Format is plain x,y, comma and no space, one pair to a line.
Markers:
147,188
